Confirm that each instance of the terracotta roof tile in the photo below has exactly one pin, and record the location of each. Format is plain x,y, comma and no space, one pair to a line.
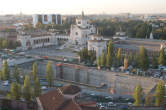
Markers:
52,100
55,100
70,89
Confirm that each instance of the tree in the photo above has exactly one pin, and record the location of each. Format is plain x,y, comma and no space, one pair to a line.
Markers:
98,62
154,62
1,75
119,56
111,48
142,30
83,54
5,43
136,61
162,57
91,56
103,59
144,62
16,91
50,73
109,55
1,41
149,100
160,93
125,63
5,71
138,94
37,88
35,71
108,60
16,74
9,96
130,59
27,92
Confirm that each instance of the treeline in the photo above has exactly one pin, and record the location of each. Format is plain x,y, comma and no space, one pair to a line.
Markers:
141,60
157,99
133,28
25,91
111,58
87,56
9,44
116,59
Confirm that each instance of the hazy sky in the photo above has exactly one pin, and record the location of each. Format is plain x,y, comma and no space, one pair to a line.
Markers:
76,6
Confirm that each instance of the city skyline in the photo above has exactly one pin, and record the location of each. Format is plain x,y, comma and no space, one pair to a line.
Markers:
75,7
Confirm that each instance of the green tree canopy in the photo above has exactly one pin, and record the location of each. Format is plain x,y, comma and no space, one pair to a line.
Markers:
154,62
103,59
144,62
5,71
138,95
35,70
27,91
50,74
130,59
1,41
110,54
16,74
119,56
162,58
37,87
5,43
160,93
16,91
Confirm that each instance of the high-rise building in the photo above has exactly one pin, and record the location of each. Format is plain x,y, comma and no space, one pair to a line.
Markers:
47,19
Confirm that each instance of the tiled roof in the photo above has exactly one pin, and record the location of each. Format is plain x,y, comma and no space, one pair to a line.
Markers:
70,105
57,100
52,100
70,89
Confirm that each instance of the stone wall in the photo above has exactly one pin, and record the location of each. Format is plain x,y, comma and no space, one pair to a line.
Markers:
122,83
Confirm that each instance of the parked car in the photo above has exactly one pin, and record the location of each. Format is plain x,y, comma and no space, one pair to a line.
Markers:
5,83
44,88
58,85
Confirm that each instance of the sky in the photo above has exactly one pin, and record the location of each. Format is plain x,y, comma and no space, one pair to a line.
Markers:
76,6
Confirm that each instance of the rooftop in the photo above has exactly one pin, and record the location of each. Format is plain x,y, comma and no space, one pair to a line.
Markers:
59,99
70,89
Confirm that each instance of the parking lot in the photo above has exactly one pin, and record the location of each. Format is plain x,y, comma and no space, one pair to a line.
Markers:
52,51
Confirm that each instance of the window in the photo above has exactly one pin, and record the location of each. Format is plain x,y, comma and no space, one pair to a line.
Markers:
40,18
45,18
54,19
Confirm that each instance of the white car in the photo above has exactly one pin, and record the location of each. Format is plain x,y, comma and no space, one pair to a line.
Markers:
102,107
43,87
108,97
130,104
5,83
111,104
